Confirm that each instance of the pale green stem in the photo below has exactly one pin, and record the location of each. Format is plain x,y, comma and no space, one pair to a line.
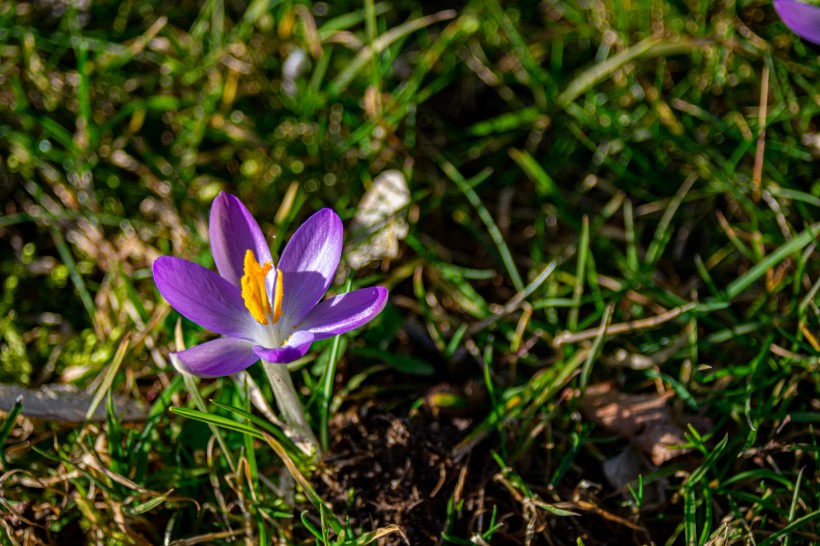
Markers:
289,404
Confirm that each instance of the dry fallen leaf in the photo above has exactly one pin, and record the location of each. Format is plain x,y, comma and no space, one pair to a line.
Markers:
65,403
644,419
380,221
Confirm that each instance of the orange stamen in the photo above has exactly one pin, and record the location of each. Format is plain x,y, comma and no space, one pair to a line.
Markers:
253,289
278,292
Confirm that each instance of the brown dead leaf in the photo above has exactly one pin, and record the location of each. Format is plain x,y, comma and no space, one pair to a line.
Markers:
65,403
380,221
644,419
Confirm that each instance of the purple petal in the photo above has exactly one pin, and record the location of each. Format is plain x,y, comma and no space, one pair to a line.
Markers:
233,232
223,356
803,19
295,347
204,297
344,312
309,262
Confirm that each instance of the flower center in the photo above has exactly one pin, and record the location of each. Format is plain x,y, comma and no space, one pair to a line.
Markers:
255,294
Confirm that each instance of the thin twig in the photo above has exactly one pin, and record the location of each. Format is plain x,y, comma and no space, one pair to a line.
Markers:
622,327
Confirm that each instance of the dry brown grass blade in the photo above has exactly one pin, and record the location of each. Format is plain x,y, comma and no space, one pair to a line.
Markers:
622,327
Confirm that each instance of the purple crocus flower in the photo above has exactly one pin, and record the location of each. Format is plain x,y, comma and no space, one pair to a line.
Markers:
803,19
262,311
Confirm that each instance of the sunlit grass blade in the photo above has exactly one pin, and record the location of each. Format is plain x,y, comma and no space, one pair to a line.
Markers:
736,287
108,378
340,82
217,421
662,232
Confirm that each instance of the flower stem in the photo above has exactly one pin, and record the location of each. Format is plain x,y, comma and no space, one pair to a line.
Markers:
288,401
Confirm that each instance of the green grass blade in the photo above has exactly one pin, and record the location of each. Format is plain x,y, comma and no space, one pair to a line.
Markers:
466,187
739,285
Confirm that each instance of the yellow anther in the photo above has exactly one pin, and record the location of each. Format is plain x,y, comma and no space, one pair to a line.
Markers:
278,292
253,288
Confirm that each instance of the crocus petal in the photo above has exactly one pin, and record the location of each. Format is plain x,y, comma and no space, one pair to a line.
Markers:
204,297
344,312
216,358
295,347
233,232
309,262
803,19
